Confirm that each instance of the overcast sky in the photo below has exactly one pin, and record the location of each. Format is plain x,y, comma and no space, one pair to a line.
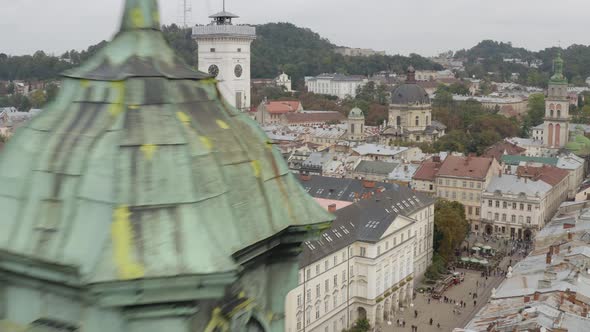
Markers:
426,27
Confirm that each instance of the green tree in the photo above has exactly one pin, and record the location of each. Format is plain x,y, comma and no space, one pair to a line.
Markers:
361,325
38,98
51,89
450,227
535,113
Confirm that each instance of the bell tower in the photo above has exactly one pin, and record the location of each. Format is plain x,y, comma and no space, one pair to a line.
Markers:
224,53
557,118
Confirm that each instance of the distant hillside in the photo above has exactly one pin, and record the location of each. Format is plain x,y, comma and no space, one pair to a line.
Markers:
489,55
301,52
279,47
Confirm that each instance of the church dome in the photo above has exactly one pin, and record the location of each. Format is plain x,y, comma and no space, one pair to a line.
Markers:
139,170
356,113
409,93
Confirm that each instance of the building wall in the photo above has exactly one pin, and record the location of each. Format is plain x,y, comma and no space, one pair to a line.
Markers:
327,86
510,214
466,190
228,53
424,186
377,277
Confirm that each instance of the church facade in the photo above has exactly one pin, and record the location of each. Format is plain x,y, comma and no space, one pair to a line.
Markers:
410,114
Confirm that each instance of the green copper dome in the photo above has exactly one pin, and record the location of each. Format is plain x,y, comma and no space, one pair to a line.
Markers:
139,170
356,113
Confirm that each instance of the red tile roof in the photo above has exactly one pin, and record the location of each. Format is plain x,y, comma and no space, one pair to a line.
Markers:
549,174
497,150
282,107
427,171
465,167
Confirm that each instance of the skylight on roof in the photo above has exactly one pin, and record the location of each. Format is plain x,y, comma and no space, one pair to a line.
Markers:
372,224
310,245
327,237
344,230
386,210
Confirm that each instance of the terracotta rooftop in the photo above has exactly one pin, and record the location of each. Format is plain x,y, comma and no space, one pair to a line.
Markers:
548,174
295,118
465,167
281,107
501,148
427,170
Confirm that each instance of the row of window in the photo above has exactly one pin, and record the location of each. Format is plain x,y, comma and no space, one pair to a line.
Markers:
460,184
326,306
454,195
496,217
505,205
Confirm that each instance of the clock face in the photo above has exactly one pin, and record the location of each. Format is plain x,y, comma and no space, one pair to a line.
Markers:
213,70
238,70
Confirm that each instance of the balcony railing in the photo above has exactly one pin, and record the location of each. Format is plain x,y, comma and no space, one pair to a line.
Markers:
224,30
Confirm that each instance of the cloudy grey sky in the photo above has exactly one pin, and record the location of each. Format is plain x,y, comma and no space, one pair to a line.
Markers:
426,27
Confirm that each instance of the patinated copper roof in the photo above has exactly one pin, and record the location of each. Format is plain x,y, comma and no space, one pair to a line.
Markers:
140,170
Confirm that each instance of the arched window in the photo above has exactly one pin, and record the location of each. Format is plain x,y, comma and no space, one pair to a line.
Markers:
552,106
417,120
559,113
426,120
398,120
551,113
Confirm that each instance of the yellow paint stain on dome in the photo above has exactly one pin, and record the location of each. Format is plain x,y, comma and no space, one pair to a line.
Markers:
222,124
117,107
148,150
122,237
183,117
256,168
156,17
206,142
137,18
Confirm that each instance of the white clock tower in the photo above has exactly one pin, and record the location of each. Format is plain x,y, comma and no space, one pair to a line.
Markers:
224,52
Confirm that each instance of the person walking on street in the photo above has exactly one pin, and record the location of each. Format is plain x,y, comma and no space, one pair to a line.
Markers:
431,321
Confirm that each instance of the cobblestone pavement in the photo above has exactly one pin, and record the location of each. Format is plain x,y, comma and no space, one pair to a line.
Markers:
442,313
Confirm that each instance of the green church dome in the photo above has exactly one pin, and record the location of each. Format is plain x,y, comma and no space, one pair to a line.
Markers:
356,113
140,170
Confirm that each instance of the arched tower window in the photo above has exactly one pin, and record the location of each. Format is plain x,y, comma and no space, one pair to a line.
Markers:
557,134
398,121
417,121
551,113
559,113
550,135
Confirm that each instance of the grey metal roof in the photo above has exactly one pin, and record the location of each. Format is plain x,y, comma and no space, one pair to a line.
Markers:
375,167
224,14
409,93
340,189
515,185
365,221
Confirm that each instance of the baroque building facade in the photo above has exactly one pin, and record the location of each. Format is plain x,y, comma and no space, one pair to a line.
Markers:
361,267
410,114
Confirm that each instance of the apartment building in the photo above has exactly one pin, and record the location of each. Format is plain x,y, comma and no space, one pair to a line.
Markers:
464,179
365,265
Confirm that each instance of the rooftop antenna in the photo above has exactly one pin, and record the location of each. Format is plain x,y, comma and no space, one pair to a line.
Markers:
185,9
223,5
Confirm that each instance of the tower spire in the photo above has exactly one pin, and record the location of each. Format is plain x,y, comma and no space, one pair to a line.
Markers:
141,14
558,76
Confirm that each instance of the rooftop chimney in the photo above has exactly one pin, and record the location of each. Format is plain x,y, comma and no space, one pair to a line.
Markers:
332,208
527,299
556,250
305,177
548,258
536,296
570,235
368,184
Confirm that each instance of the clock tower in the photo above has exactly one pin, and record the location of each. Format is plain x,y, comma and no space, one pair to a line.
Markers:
557,118
224,53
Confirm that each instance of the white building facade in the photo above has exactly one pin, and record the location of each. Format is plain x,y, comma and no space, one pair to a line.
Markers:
363,269
337,85
224,53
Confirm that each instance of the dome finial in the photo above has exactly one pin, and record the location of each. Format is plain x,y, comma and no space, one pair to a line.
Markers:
141,14
411,75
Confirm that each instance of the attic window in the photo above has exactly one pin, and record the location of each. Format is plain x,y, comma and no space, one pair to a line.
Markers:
310,245
372,224
320,191
338,235
344,230
386,210
327,237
